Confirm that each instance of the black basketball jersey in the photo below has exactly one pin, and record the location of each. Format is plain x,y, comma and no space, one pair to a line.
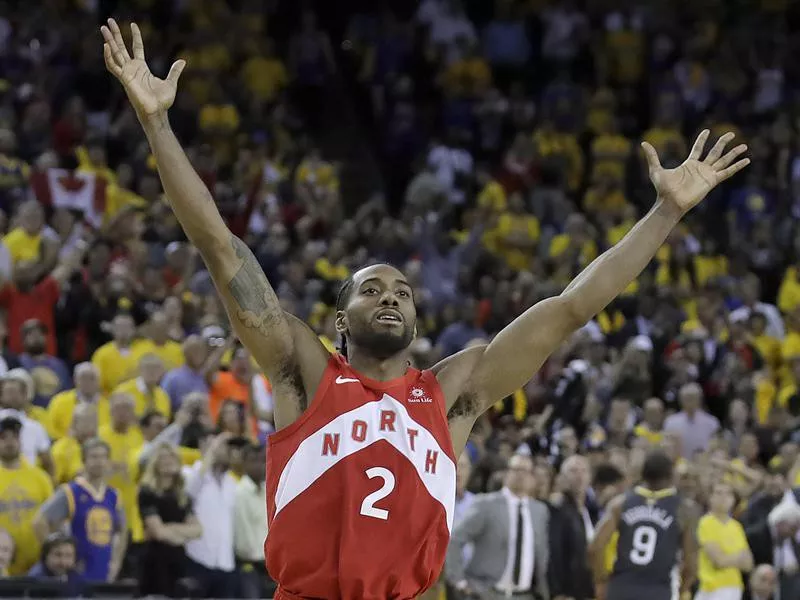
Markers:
649,541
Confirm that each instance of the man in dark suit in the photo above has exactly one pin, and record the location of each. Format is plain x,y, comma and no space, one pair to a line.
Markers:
573,519
763,584
774,542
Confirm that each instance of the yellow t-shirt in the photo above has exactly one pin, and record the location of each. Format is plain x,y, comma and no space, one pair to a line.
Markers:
653,437
145,401
170,353
264,77
598,202
22,492
493,197
62,407
124,446
23,246
789,292
330,272
115,365
729,536
709,267
510,224
770,350
67,459
219,116
560,243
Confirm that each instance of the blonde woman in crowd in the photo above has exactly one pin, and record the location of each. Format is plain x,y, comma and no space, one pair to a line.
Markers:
724,552
169,522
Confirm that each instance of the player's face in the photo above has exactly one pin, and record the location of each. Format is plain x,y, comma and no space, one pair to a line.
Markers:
380,315
96,463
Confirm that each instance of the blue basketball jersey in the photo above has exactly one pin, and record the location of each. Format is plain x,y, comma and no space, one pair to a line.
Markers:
94,519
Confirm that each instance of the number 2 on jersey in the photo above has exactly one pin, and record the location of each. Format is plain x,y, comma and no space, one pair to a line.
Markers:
644,545
368,508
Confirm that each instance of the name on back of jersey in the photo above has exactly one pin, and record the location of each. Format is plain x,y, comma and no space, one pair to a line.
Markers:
648,513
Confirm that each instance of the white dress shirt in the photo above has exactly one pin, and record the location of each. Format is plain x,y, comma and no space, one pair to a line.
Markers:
506,583
214,501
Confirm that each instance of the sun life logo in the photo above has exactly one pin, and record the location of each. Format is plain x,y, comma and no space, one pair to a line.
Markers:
418,396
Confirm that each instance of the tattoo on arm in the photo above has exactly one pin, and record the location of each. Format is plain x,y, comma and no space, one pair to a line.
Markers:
258,306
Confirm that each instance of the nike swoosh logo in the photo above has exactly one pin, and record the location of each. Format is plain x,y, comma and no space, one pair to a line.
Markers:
341,379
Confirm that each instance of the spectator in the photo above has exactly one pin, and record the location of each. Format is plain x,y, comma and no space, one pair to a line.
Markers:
190,377
772,542
67,451
573,520
124,438
15,400
85,393
250,524
213,493
158,333
145,390
94,514
724,552
695,426
169,523
59,563
50,374
115,360
23,489
763,584
509,533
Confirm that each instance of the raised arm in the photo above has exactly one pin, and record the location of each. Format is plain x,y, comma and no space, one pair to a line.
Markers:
290,354
520,349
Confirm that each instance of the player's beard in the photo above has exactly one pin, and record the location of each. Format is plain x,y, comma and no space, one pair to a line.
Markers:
382,344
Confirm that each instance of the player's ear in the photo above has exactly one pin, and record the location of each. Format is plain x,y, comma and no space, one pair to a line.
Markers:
341,322
415,331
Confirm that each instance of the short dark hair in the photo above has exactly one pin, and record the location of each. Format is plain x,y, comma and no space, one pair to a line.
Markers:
147,418
607,474
341,300
657,468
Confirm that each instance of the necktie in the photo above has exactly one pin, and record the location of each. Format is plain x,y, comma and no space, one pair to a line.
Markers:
518,548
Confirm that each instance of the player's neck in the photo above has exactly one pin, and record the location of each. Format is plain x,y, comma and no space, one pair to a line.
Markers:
374,368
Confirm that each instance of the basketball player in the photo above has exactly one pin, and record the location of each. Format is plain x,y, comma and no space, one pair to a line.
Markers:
656,531
361,472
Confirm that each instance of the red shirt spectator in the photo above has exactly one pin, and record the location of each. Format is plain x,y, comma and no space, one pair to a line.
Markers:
39,302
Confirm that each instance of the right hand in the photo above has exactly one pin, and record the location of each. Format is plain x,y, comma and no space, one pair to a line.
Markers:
148,94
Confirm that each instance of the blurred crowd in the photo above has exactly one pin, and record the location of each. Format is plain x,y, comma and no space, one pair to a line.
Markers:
506,133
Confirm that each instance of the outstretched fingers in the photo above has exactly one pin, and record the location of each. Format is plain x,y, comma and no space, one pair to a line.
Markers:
719,148
729,157
138,45
117,35
111,63
699,144
732,170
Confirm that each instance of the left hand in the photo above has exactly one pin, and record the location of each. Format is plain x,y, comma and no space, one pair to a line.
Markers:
686,185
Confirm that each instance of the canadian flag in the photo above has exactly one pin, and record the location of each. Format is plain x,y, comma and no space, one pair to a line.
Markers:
74,190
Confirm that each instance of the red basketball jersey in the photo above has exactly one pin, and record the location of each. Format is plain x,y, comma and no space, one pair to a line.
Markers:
361,489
